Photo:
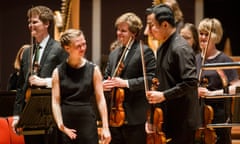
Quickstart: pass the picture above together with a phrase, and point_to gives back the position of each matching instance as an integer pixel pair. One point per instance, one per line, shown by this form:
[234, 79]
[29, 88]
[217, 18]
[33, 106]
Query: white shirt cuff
[48, 82]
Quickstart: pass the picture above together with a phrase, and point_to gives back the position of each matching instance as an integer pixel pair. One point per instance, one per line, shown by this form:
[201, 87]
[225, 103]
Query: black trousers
[184, 136]
[128, 134]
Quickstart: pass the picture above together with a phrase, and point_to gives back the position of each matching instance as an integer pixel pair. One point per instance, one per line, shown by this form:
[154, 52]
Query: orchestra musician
[13, 78]
[190, 33]
[134, 103]
[214, 78]
[178, 16]
[177, 75]
[40, 19]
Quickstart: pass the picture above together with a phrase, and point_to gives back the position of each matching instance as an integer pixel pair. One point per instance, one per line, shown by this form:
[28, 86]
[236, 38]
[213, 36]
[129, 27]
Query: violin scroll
[155, 83]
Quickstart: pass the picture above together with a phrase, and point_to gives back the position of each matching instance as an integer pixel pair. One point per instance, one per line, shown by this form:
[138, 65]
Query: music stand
[37, 117]
[235, 119]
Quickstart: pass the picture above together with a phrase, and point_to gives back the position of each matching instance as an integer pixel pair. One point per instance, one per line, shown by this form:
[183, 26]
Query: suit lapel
[116, 56]
[129, 56]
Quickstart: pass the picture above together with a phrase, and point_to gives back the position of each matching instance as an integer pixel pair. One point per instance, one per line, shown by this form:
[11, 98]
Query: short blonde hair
[212, 25]
[133, 21]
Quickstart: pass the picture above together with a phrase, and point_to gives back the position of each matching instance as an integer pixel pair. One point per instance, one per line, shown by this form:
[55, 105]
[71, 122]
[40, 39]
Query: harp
[67, 17]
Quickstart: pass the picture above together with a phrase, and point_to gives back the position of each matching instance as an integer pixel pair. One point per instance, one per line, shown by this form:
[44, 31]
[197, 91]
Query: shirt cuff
[16, 117]
[48, 82]
[127, 83]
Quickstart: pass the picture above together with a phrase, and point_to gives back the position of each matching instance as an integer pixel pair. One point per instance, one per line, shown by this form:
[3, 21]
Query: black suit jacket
[52, 56]
[177, 74]
[135, 103]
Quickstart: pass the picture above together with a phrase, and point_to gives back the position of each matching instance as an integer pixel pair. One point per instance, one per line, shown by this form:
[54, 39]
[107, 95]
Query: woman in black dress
[75, 81]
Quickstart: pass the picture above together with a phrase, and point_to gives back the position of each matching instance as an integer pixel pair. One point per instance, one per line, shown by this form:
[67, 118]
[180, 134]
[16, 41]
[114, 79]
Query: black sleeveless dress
[77, 91]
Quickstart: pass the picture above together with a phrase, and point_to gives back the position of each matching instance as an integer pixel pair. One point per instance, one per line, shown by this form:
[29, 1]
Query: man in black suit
[50, 54]
[131, 80]
[177, 73]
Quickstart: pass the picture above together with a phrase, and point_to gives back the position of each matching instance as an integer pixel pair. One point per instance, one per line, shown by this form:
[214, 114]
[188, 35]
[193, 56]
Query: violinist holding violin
[130, 102]
[176, 72]
[211, 28]
[40, 20]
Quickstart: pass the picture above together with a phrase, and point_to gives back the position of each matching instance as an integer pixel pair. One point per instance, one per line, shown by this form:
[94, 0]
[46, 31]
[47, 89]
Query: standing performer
[131, 101]
[177, 75]
[40, 19]
[213, 55]
[178, 16]
[75, 81]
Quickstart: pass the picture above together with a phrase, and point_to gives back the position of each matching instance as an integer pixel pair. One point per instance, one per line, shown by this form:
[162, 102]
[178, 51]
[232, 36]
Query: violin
[33, 67]
[204, 134]
[154, 115]
[117, 114]
[155, 119]
[34, 70]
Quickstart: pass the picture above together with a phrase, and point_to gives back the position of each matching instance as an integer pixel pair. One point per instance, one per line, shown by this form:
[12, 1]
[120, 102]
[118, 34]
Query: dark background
[14, 32]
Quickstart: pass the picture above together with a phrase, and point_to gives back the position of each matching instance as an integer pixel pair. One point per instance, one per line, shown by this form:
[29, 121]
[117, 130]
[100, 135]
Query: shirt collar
[43, 43]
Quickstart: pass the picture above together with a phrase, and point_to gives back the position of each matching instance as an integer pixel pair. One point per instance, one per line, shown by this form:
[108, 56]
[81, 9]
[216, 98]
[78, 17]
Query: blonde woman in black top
[75, 82]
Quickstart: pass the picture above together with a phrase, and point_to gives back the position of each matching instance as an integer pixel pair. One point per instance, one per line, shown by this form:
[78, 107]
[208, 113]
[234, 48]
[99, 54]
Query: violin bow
[30, 67]
[144, 67]
[205, 52]
[31, 48]
[122, 56]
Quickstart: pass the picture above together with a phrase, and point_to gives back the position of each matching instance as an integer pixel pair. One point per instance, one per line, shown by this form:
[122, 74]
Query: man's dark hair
[162, 13]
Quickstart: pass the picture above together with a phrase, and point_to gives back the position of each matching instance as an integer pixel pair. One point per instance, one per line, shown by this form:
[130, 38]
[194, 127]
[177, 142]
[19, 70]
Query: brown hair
[45, 14]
